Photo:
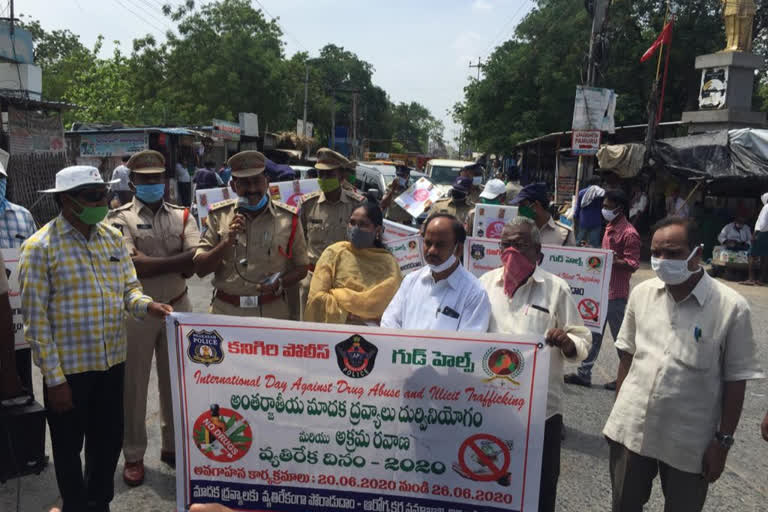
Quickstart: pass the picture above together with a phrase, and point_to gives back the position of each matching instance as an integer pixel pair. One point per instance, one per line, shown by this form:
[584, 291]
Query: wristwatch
[725, 440]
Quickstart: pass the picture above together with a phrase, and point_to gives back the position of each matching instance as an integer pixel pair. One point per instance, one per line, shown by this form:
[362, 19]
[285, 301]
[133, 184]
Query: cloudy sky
[420, 49]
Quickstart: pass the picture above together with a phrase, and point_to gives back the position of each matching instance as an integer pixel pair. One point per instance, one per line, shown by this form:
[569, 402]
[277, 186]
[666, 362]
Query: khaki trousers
[145, 338]
[277, 309]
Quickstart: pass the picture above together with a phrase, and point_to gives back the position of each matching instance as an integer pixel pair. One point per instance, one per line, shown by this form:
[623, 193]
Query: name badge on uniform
[143, 226]
[249, 301]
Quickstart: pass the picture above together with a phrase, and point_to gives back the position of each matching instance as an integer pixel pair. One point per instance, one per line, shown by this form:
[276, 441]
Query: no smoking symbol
[491, 452]
[588, 309]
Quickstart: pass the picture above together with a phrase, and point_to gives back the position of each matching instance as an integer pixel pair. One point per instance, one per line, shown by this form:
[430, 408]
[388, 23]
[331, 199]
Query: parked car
[444, 172]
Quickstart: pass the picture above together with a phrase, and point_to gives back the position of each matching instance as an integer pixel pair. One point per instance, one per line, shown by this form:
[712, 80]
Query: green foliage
[414, 125]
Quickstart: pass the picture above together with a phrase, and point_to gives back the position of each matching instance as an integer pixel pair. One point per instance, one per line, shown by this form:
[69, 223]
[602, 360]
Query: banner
[207, 198]
[294, 417]
[226, 130]
[396, 231]
[586, 270]
[407, 252]
[112, 144]
[291, 191]
[419, 197]
[490, 219]
[32, 132]
[11, 260]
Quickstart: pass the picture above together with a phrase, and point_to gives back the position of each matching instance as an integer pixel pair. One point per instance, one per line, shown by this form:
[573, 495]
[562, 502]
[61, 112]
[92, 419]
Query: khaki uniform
[324, 224]
[396, 213]
[460, 210]
[554, 233]
[273, 242]
[164, 233]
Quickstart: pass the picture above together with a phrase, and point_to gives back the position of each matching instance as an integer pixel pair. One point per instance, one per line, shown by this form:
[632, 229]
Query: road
[584, 481]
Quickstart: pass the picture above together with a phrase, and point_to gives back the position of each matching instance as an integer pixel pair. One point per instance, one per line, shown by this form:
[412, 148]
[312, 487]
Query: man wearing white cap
[16, 225]
[77, 280]
[495, 192]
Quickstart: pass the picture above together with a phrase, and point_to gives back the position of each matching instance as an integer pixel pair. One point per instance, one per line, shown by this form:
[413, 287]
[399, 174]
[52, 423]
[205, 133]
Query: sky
[420, 49]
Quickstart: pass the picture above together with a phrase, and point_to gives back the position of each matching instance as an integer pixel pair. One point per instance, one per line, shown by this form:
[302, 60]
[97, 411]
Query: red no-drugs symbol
[589, 309]
[496, 471]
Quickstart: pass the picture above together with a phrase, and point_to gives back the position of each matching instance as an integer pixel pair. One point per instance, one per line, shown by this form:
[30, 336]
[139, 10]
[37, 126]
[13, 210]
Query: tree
[414, 125]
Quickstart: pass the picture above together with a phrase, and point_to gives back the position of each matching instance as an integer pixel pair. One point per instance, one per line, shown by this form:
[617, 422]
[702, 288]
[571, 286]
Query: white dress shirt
[731, 232]
[639, 204]
[544, 302]
[762, 219]
[182, 175]
[669, 406]
[456, 303]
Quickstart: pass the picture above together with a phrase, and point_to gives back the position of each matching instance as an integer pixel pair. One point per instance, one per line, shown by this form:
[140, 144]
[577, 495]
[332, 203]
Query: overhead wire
[157, 15]
[142, 18]
[285, 31]
[502, 32]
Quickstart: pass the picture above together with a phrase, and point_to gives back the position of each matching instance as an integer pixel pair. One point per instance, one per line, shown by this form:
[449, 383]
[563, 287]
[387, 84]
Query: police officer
[254, 246]
[325, 213]
[533, 202]
[400, 184]
[458, 203]
[475, 173]
[161, 238]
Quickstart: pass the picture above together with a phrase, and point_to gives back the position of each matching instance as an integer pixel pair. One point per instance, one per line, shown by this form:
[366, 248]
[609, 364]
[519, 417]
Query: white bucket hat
[493, 189]
[76, 176]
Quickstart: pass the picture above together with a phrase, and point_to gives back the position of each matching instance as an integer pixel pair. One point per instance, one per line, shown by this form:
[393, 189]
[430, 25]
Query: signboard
[490, 219]
[291, 191]
[419, 197]
[226, 130]
[291, 417]
[300, 128]
[11, 260]
[593, 109]
[585, 142]
[249, 124]
[407, 252]
[565, 178]
[396, 231]
[207, 198]
[113, 144]
[714, 87]
[32, 131]
[586, 270]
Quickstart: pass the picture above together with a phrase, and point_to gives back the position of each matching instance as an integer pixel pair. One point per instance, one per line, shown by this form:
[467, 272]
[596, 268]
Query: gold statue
[739, 15]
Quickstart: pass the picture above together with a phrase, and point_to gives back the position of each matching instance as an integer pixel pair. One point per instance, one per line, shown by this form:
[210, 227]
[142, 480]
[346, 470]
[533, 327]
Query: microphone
[241, 210]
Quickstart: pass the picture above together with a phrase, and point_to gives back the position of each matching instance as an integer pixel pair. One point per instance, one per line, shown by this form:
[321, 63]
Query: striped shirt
[73, 294]
[622, 238]
[16, 225]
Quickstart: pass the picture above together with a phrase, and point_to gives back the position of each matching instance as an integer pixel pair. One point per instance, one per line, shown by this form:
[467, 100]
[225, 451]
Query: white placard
[407, 252]
[396, 231]
[11, 260]
[290, 192]
[490, 219]
[419, 197]
[207, 198]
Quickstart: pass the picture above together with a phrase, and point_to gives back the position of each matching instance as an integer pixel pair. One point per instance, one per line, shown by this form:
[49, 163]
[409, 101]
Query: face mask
[328, 184]
[150, 193]
[91, 214]
[360, 238]
[609, 215]
[444, 265]
[517, 269]
[351, 179]
[3, 201]
[477, 180]
[490, 201]
[527, 211]
[245, 205]
[673, 271]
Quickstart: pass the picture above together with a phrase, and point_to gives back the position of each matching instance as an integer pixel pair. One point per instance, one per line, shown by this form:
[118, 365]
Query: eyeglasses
[517, 245]
[92, 195]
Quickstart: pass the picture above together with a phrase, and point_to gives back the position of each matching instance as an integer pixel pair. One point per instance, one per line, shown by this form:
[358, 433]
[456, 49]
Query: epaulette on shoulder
[221, 204]
[126, 206]
[285, 206]
[176, 206]
[311, 195]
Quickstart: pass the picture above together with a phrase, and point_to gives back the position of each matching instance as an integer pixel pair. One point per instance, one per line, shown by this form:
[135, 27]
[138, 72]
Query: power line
[295, 40]
[501, 33]
[142, 18]
[162, 18]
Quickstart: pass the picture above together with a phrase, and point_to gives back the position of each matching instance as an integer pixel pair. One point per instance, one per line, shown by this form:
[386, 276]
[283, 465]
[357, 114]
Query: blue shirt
[591, 216]
[16, 225]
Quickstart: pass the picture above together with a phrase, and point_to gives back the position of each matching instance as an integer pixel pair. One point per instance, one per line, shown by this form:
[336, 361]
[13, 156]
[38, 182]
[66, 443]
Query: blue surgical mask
[3, 200]
[245, 205]
[150, 193]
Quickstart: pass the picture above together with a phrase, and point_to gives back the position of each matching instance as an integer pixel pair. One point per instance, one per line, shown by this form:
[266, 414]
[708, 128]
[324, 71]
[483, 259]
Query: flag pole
[661, 48]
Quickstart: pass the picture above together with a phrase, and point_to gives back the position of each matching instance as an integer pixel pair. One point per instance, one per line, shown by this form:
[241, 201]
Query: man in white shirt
[759, 248]
[526, 299]
[122, 173]
[184, 182]
[736, 235]
[687, 350]
[639, 206]
[442, 296]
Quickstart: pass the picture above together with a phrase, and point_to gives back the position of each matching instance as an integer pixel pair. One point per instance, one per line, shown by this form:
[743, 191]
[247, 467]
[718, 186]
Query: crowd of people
[96, 284]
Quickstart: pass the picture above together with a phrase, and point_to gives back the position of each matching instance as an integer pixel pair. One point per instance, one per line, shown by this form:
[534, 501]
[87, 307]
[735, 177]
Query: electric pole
[355, 95]
[479, 66]
[306, 91]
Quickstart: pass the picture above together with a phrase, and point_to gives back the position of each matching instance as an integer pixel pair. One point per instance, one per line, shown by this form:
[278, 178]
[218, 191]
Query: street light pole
[306, 93]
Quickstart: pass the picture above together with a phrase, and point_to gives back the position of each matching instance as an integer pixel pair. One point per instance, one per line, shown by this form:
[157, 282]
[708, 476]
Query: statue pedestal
[725, 95]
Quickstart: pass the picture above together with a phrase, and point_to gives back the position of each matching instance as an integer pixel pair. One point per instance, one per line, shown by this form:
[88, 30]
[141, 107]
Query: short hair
[126, 158]
[209, 163]
[619, 197]
[459, 233]
[525, 221]
[691, 230]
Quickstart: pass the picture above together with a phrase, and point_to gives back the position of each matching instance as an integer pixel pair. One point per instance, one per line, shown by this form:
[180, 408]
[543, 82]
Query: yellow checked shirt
[73, 294]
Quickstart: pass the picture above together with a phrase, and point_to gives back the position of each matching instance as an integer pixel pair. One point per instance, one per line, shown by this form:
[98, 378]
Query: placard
[11, 260]
[294, 417]
[586, 270]
[290, 192]
[419, 197]
[490, 219]
[396, 231]
[407, 252]
[209, 197]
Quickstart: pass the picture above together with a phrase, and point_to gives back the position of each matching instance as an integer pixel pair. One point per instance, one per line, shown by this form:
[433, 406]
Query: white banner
[396, 231]
[586, 270]
[419, 197]
[11, 260]
[407, 252]
[209, 197]
[490, 219]
[290, 192]
[289, 416]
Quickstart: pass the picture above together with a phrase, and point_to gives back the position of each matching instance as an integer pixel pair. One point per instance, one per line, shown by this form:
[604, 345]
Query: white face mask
[609, 215]
[444, 265]
[673, 271]
[477, 180]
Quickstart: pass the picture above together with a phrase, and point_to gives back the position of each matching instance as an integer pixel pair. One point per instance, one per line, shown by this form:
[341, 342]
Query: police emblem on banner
[504, 364]
[356, 356]
[205, 347]
[477, 251]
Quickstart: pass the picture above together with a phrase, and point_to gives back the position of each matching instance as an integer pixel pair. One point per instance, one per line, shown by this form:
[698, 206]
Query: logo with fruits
[222, 434]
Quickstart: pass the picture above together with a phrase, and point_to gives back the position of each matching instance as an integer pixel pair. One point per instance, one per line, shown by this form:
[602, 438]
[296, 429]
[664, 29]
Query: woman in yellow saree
[354, 281]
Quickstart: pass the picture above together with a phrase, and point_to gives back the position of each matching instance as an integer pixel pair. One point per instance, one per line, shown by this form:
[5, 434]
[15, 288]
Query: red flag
[664, 38]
